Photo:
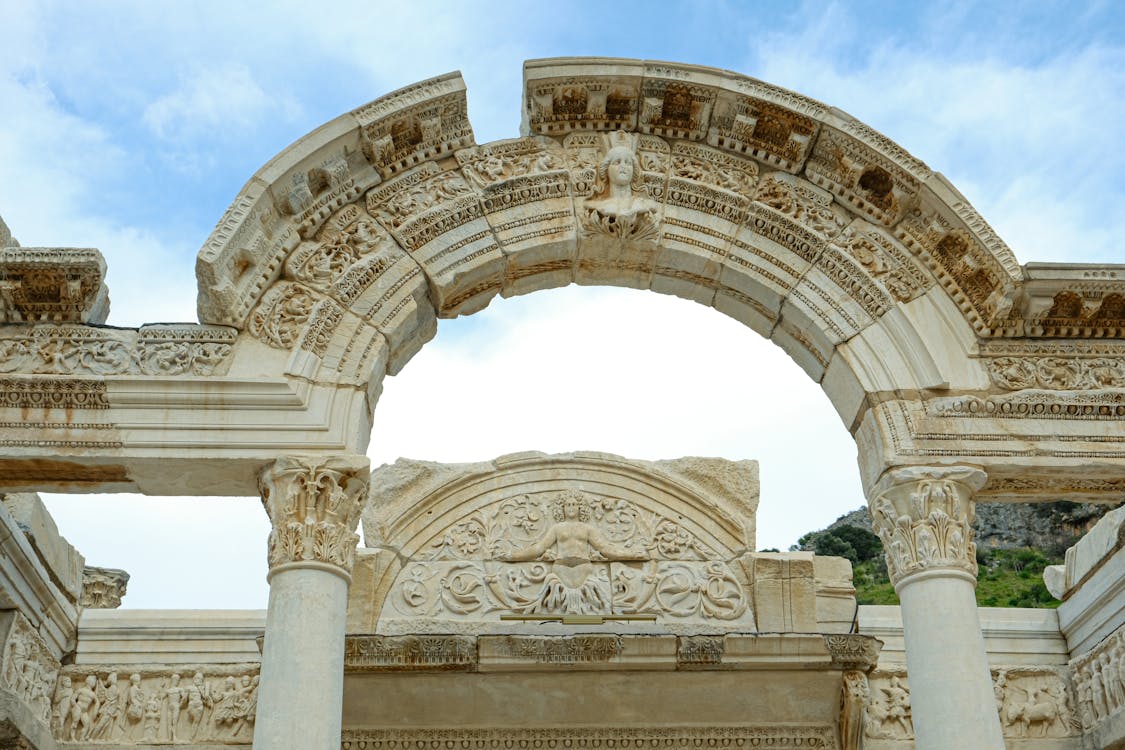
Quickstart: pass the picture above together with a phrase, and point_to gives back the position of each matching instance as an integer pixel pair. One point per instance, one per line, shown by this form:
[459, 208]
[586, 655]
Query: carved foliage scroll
[924, 517]
[314, 506]
[573, 553]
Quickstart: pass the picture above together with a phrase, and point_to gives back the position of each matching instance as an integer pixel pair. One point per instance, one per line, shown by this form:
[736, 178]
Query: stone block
[59, 557]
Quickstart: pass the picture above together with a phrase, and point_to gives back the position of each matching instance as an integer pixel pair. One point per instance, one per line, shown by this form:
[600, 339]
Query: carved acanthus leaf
[924, 517]
[314, 504]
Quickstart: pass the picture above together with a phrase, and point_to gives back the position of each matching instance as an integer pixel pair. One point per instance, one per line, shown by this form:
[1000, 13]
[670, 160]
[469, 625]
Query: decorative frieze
[576, 649]
[1099, 680]
[594, 738]
[102, 588]
[1035, 702]
[156, 705]
[314, 504]
[888, 715]
[363, 653]
[1057, 373]
[159, 350]
[54, 393]
[924, 517]
[28, 668]
[698, 650]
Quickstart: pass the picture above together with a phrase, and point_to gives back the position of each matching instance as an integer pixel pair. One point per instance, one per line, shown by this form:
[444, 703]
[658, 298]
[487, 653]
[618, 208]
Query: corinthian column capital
[924, 516]
[314, 504]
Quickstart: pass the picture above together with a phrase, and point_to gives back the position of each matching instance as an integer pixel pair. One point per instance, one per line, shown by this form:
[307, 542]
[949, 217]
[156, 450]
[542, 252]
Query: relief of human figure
[247, 704]
[571, 545]
[64, 697]
[898, 706]
[198, 698]
[110, 710]
[84, 710]
[174, 698]
[619, 205]
[134, 705]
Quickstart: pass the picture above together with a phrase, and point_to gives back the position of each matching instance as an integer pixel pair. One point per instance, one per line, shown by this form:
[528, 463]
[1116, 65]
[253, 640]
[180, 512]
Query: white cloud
[218, 101]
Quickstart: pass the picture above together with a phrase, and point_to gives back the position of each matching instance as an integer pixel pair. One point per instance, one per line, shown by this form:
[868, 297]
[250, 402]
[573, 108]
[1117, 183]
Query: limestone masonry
[577, 600]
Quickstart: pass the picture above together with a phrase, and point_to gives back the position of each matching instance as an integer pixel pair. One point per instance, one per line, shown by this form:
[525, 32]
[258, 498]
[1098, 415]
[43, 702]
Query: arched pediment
[452, 547]
[334, 263]
[772, 208]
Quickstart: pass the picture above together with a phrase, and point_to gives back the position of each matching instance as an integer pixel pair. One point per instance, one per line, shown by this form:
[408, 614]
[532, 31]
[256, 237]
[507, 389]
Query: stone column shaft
[314, 505]
[924, 517]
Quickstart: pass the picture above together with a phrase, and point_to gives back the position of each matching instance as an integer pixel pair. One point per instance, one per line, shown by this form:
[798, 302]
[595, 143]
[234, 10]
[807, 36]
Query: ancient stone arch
[960, 373]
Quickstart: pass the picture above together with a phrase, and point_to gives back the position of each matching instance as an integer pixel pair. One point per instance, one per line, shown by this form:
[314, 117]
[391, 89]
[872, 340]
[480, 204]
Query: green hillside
[1007, 577]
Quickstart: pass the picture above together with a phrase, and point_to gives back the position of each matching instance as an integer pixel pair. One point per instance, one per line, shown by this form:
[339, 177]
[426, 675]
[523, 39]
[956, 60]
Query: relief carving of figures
[415, 194]
[1034, 702]
[156, 707]
[924, 517]
[314, 506]
[29, 669]
[1099, 679]
[619, 206]
[571, 553]
[885, 261]
[888, 714]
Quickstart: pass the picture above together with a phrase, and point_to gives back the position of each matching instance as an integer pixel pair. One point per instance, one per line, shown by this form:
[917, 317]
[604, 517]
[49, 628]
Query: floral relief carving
[801, 201]
[153, 350]
[415, 198]
[924, 517]
[573, 553]
[314, 506]
[321, 264]
[885, 261]
[496, 163]
[712, 167]
[1057, 373]
[282, 313]
[212, 705]
[103, 588]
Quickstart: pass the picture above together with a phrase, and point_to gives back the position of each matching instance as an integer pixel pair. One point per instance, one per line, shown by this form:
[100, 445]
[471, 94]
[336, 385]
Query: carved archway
[333, 264]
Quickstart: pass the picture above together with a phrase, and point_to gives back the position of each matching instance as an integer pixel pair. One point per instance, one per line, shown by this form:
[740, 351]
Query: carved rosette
[924, 517]
[314, 504]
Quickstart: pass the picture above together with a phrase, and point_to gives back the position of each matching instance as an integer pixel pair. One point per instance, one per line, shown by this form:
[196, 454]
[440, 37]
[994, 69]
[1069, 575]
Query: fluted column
[314, 505]
[924, 517]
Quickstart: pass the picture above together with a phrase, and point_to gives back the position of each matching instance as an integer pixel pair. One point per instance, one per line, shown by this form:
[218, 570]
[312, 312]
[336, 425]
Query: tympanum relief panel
[568, 553]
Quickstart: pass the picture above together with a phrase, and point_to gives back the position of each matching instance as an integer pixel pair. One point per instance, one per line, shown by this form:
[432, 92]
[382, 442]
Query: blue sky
[130, 127]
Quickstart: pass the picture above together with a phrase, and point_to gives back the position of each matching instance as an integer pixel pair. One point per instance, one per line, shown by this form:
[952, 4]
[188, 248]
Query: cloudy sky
[130, 126]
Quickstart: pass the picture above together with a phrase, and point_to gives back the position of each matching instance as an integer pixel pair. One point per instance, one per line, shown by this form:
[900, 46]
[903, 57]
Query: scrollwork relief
[571, 554]
[153, 350]
[282, 313]
[924, 518]
[28, 668]
[1057, 373]
[103, 588]
[802, 201]
[314, 506]
[156, 706]
[382, 652]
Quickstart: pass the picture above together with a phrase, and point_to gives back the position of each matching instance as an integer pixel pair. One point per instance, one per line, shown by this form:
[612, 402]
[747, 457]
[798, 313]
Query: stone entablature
[58, 284]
